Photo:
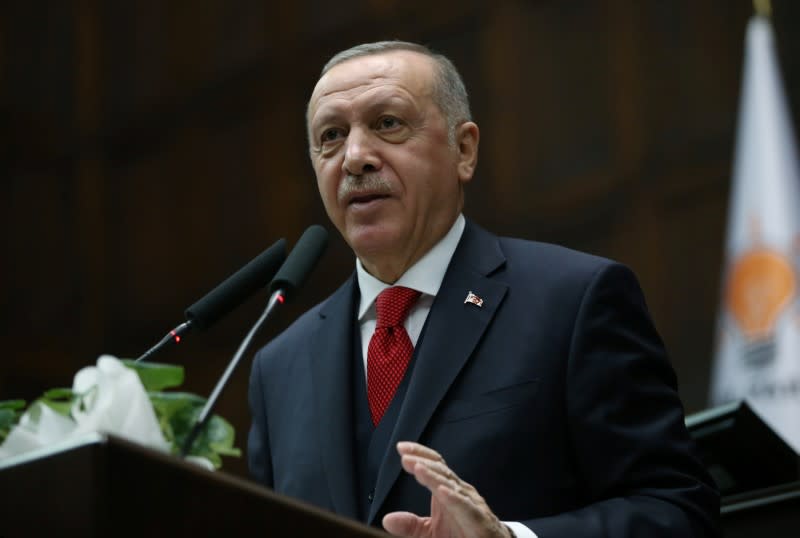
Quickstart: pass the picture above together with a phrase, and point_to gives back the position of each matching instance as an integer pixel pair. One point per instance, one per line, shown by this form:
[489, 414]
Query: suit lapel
[451, 333]
[332, 352]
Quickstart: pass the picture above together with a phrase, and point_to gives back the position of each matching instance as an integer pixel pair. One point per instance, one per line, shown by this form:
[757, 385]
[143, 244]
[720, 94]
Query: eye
[388, 122]
[331, 135]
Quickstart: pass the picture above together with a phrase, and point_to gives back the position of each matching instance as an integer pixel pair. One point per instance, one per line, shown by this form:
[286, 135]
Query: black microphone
[290, 277]
[227, 296]
[238, 287]
[299, 264]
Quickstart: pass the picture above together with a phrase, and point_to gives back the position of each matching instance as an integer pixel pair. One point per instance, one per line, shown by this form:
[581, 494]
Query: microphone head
[301, 260]
[238, 287]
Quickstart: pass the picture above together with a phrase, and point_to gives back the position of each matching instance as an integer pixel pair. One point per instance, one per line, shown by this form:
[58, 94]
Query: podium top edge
[91, 438]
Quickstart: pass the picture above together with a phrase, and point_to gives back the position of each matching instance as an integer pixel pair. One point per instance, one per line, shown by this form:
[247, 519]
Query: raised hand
[457, 510]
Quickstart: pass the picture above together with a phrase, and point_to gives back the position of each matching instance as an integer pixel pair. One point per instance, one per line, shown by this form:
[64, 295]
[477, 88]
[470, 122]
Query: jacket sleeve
[640, 473]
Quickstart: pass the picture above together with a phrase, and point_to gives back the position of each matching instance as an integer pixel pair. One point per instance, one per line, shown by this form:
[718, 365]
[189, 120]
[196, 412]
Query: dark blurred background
[148, 149]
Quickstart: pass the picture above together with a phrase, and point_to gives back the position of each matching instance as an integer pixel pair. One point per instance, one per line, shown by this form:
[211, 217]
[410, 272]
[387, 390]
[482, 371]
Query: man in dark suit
[462, 384]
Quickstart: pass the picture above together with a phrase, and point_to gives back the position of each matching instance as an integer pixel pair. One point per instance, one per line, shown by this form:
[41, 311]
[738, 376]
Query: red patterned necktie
[390, 348]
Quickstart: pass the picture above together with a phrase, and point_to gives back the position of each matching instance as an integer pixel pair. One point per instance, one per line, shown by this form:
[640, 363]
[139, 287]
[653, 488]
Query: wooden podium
[107, 486]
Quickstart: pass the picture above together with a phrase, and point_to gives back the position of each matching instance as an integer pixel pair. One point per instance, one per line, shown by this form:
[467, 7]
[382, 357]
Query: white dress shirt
[426, 277]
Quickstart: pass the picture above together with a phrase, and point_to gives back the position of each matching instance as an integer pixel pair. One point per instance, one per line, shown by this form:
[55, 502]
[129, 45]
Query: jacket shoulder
[296, 336]
[552, 260]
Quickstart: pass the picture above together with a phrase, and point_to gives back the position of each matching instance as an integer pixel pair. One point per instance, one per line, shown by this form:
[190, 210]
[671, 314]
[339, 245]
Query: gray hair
[449, 92]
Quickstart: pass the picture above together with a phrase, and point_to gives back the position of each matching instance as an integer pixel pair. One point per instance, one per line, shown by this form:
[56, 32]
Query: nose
[360, 155]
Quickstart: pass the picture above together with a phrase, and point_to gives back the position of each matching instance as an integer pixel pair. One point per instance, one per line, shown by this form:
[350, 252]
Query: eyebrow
[333, 113]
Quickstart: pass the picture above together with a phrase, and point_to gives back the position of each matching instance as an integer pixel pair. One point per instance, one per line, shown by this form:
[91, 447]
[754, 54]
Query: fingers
[416, 449]
[412, 454]
[430, 470]
[456, 505]
[428, 466]
[430, 474]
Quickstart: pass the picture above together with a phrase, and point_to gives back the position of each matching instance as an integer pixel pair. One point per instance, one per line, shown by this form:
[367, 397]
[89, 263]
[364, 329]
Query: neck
[390, 263]
[386, 272]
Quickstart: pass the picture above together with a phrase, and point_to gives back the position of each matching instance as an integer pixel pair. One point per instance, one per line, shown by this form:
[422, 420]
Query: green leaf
[177, 413]
[58, 394]
[59, 400]
[10, 411]
[7, 417]
[174, 411]
[215, 441]
[156, 376]
[12, 404]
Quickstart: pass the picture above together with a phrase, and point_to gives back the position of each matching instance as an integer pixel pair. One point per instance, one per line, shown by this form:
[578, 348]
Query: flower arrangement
[120, 397]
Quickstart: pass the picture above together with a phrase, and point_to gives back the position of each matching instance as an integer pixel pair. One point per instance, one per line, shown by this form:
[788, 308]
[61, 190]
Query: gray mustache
[372, 183]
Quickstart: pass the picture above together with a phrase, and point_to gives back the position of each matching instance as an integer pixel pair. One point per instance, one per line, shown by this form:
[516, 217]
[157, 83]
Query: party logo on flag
[761, 285]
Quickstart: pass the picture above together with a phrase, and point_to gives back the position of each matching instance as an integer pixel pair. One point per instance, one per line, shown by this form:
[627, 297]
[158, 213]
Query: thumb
[403, 524]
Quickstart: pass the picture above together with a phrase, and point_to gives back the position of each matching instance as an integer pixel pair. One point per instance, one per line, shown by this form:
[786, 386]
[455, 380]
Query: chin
[369, 241]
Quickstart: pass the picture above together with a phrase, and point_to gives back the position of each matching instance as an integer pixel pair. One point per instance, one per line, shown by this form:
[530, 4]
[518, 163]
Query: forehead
[404, 71]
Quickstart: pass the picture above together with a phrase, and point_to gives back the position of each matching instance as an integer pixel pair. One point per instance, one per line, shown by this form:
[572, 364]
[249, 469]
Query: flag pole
[763, 8]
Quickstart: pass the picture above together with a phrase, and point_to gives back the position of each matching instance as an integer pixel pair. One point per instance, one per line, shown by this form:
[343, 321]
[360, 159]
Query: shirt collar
[425, 276]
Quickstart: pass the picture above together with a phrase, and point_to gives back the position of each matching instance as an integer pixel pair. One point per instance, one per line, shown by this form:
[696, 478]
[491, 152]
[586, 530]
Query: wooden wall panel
[691, 256]
[691, 79]
[546, 127]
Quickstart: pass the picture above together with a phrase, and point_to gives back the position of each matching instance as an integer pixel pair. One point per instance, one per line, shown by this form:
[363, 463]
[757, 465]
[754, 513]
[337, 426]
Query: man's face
[389, 178]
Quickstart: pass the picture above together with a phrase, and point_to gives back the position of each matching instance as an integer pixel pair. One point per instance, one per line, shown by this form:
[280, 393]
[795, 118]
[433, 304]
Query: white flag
[758, 341]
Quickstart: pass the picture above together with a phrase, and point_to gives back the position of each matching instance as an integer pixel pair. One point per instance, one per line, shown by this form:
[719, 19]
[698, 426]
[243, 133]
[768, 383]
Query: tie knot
[393, 304]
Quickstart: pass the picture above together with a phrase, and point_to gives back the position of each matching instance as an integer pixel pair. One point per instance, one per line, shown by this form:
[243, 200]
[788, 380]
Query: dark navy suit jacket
[555, 399]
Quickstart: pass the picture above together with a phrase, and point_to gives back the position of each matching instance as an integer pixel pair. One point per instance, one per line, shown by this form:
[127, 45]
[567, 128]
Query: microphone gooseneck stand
[277, 298]
[232, 292]
[289, 278]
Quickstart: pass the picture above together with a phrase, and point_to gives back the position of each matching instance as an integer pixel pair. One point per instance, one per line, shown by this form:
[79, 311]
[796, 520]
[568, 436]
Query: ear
[467, 136]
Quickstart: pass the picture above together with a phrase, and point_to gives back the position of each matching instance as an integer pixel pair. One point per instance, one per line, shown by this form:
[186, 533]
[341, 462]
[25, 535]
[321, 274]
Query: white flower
[30, 434]
[113, 401]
